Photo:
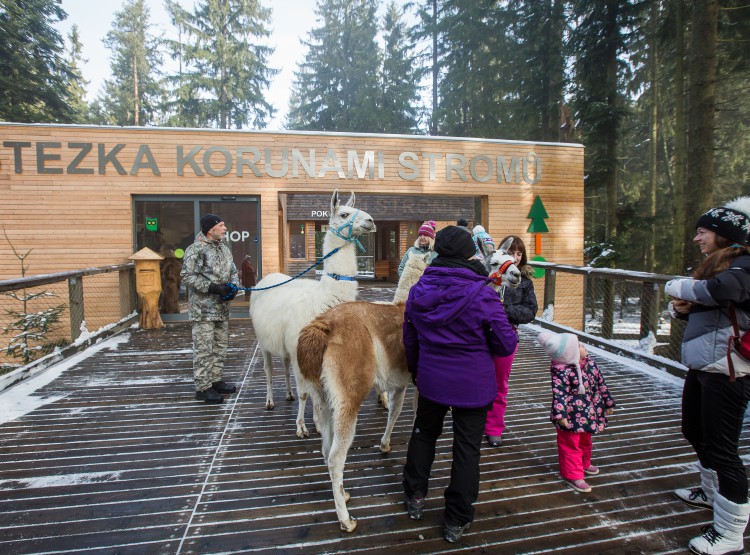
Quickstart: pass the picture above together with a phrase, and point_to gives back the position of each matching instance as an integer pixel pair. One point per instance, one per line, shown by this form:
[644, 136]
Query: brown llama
[352, 347]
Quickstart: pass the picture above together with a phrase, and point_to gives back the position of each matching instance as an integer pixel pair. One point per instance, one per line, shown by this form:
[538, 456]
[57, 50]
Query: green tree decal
[538, 214]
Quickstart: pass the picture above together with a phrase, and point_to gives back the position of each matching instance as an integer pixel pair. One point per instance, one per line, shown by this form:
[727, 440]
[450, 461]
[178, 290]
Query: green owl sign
[152, 224]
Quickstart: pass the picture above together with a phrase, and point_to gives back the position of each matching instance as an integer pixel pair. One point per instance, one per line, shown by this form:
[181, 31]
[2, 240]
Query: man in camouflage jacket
[211, 278]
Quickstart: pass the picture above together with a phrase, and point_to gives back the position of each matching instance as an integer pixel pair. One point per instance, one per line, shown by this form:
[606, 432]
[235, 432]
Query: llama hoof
[290, 397]
[350, 525]
[385, 448]
[269, 405]
[302, 433]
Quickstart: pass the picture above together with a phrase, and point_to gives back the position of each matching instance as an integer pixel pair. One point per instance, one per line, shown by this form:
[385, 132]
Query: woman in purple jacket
[453, 325]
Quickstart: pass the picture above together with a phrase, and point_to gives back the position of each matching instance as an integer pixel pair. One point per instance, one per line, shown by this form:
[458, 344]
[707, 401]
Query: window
[297, 239]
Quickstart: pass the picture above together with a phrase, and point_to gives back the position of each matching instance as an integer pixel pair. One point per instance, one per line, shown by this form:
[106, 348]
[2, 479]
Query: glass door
[168, 226]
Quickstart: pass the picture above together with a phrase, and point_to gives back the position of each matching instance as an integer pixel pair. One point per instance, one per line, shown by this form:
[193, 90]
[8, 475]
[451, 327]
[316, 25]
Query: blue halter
[349, 224]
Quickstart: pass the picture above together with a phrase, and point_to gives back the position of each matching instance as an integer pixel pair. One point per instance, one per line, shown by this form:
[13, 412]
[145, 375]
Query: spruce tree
[77, 84]
[400, 78]
[224, 63]
[132, 94]
[34, 74]
[337, 86]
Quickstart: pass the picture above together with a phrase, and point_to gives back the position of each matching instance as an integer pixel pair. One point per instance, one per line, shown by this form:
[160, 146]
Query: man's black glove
[232, 292]
[221, 289]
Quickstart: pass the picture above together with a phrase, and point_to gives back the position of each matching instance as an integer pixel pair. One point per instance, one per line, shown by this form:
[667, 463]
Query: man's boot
[703, 495]
[724, 536]
[224, 387]
[209, 396]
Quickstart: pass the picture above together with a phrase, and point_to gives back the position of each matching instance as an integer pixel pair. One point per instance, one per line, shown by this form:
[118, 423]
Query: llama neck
[344, 262]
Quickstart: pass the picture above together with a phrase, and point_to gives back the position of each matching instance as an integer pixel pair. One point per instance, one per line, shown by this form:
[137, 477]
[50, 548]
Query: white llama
[353, 346]
[278, 314]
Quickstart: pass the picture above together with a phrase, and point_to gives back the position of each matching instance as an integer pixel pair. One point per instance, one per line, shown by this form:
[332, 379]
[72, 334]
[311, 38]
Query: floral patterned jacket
[587, 412]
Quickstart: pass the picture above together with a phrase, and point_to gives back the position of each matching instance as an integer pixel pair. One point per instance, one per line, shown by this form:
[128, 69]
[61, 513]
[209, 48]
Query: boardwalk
[121, 459]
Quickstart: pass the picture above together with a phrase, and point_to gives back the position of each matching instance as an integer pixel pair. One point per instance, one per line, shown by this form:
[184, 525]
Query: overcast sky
[291, 21]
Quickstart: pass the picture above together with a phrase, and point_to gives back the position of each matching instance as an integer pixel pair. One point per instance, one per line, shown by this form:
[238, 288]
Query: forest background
[656, 90]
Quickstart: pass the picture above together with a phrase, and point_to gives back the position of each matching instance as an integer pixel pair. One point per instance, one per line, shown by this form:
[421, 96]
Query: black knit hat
[730, 221]
[209, 221]
[454, 242]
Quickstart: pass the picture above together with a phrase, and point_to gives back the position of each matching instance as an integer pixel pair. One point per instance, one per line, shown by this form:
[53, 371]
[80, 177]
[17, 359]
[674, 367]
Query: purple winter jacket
[453, 325]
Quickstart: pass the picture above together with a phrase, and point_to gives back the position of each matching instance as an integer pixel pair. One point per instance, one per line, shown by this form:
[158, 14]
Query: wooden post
[148, 286]
[649, 309]
[549, 288]
[75, 302]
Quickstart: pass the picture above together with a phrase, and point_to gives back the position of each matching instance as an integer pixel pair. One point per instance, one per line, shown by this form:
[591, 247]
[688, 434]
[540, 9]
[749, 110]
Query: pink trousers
[495, 424]
[573, 453]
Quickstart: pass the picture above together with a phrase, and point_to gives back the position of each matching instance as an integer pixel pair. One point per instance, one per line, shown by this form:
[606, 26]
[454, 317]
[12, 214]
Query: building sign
[83, 158]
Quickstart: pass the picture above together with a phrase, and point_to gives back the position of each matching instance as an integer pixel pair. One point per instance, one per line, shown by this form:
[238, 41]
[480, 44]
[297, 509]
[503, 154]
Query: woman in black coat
[520, 306]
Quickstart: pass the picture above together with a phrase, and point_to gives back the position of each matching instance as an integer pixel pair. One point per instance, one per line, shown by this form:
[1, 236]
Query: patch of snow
[60, 480]
[19, 400]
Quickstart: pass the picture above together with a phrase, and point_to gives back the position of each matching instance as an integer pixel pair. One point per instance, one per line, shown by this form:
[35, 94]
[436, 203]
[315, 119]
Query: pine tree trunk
[650, 262]
[136, 107]
[433, 119]
[679, 238]
[700, 114]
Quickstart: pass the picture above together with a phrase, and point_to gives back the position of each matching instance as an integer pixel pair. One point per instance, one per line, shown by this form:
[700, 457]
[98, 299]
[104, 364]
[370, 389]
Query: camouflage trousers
[210, 340]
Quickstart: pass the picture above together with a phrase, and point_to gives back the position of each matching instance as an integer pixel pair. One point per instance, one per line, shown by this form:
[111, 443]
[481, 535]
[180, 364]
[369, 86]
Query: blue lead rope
[349, 224]
[318, 262]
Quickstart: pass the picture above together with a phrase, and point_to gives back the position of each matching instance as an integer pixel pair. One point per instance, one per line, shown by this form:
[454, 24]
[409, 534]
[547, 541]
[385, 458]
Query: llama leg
[394, 410]
[289, 395]
[302, 394]
[268, 367]
[326, 431]
[342, 440]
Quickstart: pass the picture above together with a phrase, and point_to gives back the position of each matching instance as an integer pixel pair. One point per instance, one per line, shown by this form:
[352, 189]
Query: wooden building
[84, 196]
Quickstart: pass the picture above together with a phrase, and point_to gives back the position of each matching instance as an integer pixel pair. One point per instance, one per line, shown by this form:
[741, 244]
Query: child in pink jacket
[581, 403]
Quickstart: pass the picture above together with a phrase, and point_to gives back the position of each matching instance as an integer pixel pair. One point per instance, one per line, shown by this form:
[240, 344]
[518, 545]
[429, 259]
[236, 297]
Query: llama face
[501, 266]
[347, 220]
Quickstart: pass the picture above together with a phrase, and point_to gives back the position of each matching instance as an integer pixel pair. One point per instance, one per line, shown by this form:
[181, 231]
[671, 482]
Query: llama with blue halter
[279, 313]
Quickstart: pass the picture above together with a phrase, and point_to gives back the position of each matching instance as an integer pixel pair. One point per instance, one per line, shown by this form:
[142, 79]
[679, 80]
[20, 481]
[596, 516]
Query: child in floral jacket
[581, 403]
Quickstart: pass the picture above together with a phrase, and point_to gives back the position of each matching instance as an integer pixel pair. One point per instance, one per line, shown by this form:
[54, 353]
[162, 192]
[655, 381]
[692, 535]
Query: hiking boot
[494, 441]
[579, 485]
[695, 497]
[591, 470]
[224, 387]
[453, 532]
[209, 396]
[414, 506]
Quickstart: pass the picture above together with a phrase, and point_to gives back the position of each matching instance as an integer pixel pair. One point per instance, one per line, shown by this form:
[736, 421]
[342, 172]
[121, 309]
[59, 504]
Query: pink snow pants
[495, 424]
[573, 453]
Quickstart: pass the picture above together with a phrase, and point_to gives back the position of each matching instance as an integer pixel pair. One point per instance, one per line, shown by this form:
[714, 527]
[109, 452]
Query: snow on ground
[20, 399]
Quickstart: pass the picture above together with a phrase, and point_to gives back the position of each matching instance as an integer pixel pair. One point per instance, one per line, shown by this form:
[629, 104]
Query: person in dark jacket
[520, 306]
[453, 325]
[717, 385]
[211, 279]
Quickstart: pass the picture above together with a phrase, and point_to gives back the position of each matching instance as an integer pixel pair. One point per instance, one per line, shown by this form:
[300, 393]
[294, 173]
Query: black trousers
[468, 428]
[712, 412]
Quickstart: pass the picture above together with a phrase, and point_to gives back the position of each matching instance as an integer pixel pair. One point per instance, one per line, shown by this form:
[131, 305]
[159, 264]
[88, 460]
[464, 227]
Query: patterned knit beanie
[731, 221]
[428, 228]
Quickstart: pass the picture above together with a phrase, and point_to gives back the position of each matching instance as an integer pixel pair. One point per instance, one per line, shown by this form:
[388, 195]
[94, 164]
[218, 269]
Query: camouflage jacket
[207, 262]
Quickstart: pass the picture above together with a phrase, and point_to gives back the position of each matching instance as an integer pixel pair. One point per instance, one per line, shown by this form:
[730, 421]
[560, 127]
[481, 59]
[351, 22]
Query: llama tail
[311, 348]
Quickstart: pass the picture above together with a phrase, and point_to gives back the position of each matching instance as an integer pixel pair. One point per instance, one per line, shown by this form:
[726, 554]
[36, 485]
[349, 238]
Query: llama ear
[334, 201]
[350, 202]
[480, 245]
[505, 247]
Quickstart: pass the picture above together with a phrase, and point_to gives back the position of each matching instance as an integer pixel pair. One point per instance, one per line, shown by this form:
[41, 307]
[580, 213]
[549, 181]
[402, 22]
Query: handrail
[605, 272]
[45, 279]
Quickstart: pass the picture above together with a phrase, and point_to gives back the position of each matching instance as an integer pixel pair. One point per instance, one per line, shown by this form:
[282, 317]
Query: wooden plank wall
[77, 220]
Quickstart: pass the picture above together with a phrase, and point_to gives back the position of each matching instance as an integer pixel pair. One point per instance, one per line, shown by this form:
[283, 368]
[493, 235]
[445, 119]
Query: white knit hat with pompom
[563, 349]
